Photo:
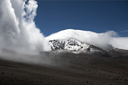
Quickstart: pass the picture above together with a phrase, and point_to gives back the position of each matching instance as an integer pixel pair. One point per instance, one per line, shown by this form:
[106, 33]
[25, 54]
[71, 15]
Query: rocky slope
[74, 46]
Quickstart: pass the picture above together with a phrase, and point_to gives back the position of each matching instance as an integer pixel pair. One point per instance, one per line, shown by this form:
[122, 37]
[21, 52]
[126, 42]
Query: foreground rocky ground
[71, 69]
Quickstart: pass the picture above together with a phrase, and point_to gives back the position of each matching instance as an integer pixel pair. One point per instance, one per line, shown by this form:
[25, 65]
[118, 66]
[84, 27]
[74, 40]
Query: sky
[96, 16]
[28, 25]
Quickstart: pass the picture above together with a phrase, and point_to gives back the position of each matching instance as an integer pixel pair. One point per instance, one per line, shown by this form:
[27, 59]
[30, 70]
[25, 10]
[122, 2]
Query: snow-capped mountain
[73, 45]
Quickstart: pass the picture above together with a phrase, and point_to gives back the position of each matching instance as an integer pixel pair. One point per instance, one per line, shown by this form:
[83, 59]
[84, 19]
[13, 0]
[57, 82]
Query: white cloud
[120, 42]
[98, 39]
[17, 26]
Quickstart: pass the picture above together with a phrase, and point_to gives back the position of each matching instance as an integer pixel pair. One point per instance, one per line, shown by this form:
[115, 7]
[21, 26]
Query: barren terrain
[72, 69]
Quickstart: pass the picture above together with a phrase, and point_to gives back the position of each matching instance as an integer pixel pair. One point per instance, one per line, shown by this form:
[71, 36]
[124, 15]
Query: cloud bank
[102, 40]
[17, 26]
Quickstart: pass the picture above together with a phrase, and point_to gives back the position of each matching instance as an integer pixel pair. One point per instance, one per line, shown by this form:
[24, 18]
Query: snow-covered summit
[101, 40]
[72, 45]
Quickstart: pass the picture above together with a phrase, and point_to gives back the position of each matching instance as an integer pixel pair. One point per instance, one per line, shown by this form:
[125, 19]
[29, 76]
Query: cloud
[120, 42]
[125, 31]
[102, 40]
[17, 26]
[18, 32]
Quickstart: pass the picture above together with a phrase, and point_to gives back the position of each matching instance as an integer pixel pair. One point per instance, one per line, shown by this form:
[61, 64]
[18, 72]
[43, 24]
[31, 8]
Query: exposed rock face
[73, 45]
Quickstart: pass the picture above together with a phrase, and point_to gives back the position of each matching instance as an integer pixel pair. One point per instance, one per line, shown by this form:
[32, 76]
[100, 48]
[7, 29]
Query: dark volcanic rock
[73, 69]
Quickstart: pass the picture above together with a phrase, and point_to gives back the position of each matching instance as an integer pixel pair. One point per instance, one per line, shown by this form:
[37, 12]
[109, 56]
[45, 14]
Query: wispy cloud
[124, 31]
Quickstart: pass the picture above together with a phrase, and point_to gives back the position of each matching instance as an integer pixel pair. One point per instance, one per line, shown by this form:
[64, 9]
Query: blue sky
[96, 16]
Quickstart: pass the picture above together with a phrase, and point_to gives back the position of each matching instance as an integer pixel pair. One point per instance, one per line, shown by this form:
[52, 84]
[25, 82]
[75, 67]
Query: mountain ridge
[74, 45]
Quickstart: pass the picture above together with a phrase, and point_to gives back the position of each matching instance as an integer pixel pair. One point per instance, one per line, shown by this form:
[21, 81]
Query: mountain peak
[72, 45]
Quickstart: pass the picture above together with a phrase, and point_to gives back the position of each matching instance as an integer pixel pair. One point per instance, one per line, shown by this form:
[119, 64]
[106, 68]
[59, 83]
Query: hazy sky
[96, 16]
